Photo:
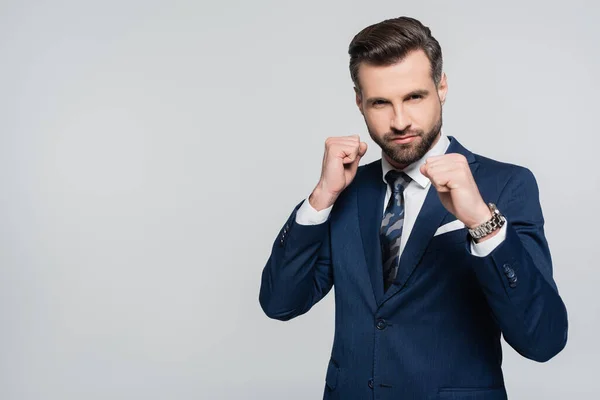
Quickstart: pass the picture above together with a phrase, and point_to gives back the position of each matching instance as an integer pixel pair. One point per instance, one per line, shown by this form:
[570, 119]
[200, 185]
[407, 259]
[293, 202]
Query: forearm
[298, 272]
[526, 305]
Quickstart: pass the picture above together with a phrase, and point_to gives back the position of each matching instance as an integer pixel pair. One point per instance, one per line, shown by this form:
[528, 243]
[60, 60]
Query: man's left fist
[451, 176]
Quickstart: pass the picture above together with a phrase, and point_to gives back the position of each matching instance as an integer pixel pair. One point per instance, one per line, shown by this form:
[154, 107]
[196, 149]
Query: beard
[407, 153]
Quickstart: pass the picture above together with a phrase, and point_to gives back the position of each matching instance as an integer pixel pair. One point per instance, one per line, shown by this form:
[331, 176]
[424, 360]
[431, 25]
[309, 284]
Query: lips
[404, 139]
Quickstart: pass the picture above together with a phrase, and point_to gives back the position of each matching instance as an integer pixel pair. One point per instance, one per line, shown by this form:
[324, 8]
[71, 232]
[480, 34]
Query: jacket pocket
[332, 374]
[447, 241]
[458, 393]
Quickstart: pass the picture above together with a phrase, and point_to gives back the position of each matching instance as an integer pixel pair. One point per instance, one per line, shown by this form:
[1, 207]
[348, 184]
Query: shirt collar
[413, 170]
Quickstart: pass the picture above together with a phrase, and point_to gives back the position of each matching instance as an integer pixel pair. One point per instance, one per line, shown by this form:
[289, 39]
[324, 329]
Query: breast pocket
[449, 241]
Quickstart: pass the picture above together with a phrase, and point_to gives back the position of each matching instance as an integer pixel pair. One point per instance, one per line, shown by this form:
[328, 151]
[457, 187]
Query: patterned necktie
[391, 226]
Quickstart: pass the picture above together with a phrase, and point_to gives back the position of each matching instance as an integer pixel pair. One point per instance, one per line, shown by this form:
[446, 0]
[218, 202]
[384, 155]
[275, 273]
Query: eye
[378, 103]
[416, 97]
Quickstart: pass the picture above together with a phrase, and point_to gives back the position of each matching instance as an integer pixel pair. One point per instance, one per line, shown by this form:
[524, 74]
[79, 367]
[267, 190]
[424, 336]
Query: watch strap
[495, 223]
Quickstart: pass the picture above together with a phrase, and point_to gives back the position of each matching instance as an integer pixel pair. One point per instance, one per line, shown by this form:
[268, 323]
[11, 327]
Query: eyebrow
[418, 92]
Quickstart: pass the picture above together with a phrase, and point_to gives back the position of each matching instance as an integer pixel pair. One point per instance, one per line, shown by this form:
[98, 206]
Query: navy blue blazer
[435, 334]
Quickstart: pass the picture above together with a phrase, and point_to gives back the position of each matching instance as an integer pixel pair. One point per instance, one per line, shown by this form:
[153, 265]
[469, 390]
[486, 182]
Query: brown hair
[389, 41]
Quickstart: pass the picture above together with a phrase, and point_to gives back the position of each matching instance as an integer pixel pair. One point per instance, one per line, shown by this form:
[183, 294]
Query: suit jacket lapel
[370, 210]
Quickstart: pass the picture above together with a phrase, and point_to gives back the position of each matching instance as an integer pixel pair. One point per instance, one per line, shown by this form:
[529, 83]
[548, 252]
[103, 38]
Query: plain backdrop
[150, 151]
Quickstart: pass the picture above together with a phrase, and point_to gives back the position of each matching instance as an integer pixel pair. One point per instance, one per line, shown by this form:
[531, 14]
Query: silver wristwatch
[490, 226]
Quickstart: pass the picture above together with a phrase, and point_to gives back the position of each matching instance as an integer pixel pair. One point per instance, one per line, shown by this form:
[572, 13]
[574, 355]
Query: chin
[405, 147]
[406, 154]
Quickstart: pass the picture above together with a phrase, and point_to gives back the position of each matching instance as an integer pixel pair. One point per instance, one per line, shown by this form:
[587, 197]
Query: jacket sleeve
[298, 272]
[516, 277]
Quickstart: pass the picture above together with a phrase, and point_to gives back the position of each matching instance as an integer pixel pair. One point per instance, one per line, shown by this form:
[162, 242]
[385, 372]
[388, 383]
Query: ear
[358, 99]
[442, 88]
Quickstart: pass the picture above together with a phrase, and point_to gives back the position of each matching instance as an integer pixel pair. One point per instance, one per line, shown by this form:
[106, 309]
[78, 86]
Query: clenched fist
[451, 176]
[340, 162]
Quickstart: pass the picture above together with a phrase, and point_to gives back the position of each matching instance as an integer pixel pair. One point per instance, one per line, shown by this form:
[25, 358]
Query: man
[434, 251]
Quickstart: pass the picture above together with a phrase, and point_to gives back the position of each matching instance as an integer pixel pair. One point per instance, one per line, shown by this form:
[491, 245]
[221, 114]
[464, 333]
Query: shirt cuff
[307, 215]
[484, 248]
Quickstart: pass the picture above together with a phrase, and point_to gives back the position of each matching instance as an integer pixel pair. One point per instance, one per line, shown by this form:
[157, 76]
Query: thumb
[362, 149]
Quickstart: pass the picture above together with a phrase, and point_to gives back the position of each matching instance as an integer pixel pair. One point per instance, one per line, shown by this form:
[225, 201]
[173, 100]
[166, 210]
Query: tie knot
[397, 180]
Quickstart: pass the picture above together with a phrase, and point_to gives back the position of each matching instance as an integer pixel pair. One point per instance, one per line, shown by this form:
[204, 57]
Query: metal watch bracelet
[495, 223]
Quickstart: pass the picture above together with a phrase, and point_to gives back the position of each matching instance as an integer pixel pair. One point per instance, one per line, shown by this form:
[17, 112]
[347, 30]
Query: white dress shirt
[414, 197]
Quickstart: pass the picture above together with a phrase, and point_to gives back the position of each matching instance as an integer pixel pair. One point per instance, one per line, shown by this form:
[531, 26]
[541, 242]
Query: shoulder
[370, 169]
[489, 167]
[367, 174]
[490, 171]
[497, 177]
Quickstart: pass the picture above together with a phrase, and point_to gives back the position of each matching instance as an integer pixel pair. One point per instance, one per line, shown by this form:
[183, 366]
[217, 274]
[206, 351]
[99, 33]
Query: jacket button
[381, 324]
[371, 383]
[510, 274]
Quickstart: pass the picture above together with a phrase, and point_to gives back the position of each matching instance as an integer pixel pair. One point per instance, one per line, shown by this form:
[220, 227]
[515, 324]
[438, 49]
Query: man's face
[402, 107]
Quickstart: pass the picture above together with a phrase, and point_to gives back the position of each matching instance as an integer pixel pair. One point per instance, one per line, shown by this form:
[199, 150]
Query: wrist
[484, 215]
[485, 230]
[320, 199]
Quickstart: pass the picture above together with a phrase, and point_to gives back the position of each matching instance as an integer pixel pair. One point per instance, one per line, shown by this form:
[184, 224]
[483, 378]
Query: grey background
[151, 150]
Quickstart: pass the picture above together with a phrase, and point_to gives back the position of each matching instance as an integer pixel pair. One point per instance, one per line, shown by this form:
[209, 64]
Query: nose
[401, 120]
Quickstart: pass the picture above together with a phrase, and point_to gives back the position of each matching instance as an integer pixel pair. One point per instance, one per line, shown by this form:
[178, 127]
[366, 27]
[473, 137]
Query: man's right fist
[340, 163]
